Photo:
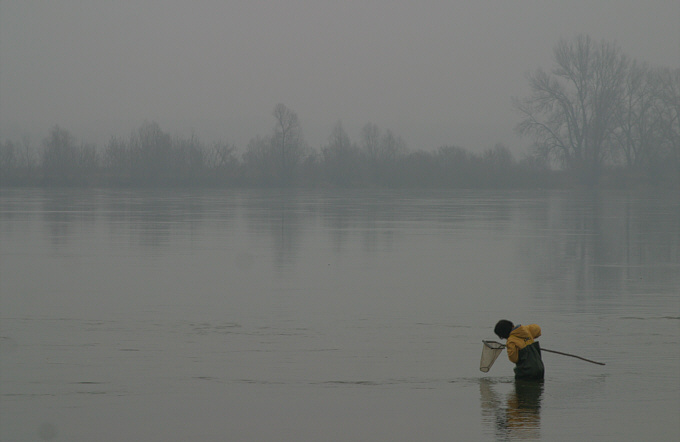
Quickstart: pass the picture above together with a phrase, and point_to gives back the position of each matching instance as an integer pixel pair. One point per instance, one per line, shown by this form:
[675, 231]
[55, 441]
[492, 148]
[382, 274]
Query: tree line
[152, 157]
[596, 116]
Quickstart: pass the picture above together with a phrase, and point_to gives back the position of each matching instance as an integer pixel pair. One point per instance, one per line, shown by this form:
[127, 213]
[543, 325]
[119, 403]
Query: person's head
[503, 328]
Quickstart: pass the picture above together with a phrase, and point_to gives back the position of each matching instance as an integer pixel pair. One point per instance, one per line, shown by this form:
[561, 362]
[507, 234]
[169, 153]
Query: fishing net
[490, 352]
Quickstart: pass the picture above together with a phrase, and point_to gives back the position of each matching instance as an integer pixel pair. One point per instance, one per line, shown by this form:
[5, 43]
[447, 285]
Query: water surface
[167, 315]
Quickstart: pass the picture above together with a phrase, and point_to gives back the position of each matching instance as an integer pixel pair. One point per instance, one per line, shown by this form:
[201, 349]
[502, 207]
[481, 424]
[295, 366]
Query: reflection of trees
[281, 218]
[379, 215]
[605, 241]
[515, 415]
[65, 209]
[349, 212]
[151, 217]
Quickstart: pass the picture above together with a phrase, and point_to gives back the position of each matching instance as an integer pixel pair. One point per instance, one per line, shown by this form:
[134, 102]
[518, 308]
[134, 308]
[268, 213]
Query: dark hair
[503, 328]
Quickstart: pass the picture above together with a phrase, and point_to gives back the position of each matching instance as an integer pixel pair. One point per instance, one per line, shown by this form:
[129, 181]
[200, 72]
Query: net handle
[573, 356]
[549, 351]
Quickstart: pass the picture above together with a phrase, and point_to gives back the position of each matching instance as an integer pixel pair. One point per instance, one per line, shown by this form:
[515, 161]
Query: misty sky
[436, 72]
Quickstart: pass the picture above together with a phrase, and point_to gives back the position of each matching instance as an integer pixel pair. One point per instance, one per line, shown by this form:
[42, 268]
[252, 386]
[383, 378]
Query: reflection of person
[516, 417]
[523, 408]
[523, 350]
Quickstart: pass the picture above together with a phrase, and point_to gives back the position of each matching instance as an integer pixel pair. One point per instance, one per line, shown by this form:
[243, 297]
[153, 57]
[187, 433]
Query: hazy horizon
[434, 72]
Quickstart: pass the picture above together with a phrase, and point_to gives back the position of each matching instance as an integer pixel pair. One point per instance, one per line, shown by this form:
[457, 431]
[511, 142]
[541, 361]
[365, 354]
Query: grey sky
[436, 72]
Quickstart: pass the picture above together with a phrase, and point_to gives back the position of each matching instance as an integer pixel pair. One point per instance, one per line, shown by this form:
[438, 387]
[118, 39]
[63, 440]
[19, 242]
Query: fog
[435, 72]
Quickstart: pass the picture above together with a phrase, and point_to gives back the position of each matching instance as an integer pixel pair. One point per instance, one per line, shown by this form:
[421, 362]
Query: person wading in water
[523, 350]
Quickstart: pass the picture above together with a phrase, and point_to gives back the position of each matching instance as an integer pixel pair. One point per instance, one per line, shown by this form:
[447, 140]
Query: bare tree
[667, 112]
[260, 161]
[571, 110]
[151, 155]
[59, 157]
[383, 150]
[18, 162]
[636, 132]
[8, 158]
[117, 161]
[341, 158]
[287, 140]
[370, 139]
[222, 162]
[391, 147]
[64, 162]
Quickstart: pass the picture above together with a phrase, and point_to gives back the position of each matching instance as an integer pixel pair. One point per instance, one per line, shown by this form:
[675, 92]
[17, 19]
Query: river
[357, 315]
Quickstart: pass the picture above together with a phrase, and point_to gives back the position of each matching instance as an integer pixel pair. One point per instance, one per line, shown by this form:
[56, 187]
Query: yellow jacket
[520, 337]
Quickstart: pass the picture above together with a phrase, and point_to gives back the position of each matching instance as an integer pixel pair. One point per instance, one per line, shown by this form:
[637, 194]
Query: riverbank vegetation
[597, 118]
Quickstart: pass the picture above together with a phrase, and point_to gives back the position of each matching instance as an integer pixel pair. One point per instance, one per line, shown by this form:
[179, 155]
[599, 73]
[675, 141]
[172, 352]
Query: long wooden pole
[573, 356]
[558, 352]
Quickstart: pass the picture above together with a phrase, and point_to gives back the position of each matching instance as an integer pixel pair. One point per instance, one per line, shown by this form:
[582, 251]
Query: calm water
[349, 316]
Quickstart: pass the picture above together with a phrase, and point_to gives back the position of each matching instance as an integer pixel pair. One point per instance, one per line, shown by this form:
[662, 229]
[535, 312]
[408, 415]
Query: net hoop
[490, 352]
